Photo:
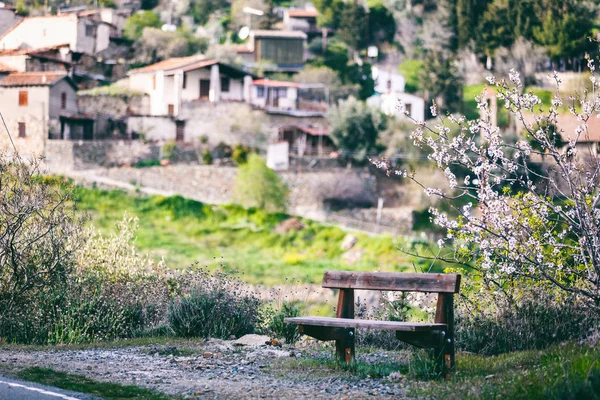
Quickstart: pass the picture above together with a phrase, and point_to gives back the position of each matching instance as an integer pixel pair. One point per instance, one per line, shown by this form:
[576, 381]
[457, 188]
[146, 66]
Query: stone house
[8, 17]
[171, 82]
[54, 58]
[38, 106]
[82, 34]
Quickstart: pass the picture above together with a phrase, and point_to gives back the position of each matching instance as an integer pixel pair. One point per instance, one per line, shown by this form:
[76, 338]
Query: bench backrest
[392, 281]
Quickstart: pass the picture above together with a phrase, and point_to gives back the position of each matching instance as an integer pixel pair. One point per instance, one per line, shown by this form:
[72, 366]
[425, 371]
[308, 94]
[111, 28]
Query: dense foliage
[259, 186]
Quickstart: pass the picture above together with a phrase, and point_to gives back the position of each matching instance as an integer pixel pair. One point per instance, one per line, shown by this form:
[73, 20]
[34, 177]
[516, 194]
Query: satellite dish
[244, 32]
[168, 28]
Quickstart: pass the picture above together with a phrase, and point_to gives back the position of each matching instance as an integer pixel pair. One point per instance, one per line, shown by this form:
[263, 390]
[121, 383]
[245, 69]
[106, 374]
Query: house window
[389, 84]
[23, 98]
[171, 109]
[184, 83]
[282, 92]
[154, 82]
[63, 101]
[22, 131]
[225, 85]
[90, 30]
[260, 91]
[408, 109]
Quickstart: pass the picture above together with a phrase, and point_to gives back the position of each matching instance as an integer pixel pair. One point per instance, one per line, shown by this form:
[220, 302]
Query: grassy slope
[185, 231]
[560, 372]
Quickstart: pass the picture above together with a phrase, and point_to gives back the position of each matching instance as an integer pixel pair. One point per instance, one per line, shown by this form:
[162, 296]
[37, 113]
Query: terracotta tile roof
[278, 34]
[270, 83]
[18, 52]
[32, 78]
[6, 68]
[567, 125]
[299, 13]
[166, 65]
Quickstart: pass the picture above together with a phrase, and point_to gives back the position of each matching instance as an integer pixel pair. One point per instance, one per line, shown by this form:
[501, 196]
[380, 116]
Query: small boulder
[207, 354]
[349, 242]
[252, 340]
[290, 224]
[353, 256]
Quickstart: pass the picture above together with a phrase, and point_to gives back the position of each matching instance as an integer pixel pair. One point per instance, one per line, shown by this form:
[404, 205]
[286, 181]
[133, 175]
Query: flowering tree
[530, 206]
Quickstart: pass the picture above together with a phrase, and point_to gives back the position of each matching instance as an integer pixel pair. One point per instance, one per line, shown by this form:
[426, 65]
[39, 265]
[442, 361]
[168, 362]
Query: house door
[275, 97]
[88, 131]
[204, 88]
[179, 130]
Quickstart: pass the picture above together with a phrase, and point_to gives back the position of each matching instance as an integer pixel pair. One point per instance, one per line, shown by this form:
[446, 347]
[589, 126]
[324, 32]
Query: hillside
[185, 231]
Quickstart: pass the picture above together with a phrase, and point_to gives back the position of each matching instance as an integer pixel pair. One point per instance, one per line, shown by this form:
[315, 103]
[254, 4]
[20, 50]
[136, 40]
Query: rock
[353, 256]
[207, 354]
[252, 340]
[349, 242]
[290, 224]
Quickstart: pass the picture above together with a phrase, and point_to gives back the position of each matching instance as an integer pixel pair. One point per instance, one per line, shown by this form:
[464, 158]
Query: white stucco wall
[287, 102]
[36, 32]
[394, 104]
[385, 77]
[18, 63]
[102, 37]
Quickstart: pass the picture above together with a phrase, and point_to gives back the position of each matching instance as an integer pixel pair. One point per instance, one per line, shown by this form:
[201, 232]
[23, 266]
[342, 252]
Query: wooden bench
[438, 336]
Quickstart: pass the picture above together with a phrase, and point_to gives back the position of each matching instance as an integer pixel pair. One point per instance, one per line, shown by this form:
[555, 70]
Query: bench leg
[445, 352]
[344, 349]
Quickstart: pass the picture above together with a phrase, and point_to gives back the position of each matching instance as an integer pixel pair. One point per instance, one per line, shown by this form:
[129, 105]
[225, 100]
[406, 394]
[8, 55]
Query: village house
[290, 97]
[399, 105]
[38, 106]
[303, 20]
[54, 58]
[275, 51]
[171, 82]
[82, 34]
[8, 17]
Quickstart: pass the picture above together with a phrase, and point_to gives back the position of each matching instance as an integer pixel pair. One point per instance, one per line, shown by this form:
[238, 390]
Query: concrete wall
[18, 62]
[36, 32]
[152, 128]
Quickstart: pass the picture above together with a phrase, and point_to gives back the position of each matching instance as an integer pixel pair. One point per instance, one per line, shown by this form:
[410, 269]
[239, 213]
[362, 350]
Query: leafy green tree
[330, 12]
[355, 128]
[495, 29]
[201, 10]
[352, 27]
[381, 23]
[134, 26]
[441, 82]
[259, 186]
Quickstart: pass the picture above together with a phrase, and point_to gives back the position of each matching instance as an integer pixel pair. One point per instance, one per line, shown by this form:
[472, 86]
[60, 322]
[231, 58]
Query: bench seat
[367, 324]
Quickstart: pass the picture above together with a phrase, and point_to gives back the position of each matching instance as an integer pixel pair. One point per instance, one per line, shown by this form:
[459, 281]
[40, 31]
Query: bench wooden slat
[366, 324]
[435, 283]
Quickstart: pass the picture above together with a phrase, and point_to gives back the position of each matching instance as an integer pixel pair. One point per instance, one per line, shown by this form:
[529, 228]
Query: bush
[146, 163]
[258, 186]
[168, 150]
[277, 326]
[240, 154]
[216, 307]
[207, 157]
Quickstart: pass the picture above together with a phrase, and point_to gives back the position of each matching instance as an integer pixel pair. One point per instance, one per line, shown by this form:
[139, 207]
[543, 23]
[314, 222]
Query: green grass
[77, 383]
[568, 371]
[185, 231]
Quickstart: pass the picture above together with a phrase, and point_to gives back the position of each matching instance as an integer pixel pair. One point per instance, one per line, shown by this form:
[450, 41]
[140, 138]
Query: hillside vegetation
[185, 231]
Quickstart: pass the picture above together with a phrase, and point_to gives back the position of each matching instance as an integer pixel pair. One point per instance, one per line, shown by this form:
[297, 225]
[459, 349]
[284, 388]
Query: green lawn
[185, 231]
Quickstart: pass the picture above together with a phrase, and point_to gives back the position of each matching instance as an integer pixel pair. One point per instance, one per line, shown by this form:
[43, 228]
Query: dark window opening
[408, 108]
[225, 85]
[171, 109]
[260, 91]
[90, 30]
[184, 83]
[22, 130]
[204, 88]
[63, 101]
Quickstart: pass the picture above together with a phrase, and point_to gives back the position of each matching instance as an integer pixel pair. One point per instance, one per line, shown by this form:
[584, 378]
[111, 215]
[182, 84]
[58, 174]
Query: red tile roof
[299, 13]
[270, 83]
[17, 52]
[170, 64]
[32, 78]
[278, 34]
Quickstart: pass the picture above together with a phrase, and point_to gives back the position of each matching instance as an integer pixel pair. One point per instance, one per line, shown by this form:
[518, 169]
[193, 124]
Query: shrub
[146, 163]
[218, 306]
[258, 186]
[207, 157]
[168, 150]
[240, 154]
[277, 326]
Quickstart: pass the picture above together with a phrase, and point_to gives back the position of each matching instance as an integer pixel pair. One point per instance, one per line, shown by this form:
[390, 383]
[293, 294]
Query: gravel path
[214, 370]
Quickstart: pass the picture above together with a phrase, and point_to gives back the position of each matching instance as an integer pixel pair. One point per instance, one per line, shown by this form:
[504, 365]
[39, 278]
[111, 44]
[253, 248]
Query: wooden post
[344, 348]
[444, 352]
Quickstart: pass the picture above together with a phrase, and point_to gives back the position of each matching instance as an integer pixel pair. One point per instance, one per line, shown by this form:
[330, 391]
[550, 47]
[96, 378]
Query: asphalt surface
[15, 389]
